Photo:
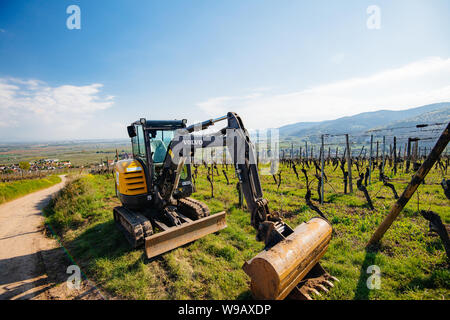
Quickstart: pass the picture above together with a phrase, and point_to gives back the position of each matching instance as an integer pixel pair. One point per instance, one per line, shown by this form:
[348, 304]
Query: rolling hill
[438, 112]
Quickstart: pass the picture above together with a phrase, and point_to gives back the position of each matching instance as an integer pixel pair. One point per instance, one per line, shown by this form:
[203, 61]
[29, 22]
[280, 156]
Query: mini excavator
[157, 211]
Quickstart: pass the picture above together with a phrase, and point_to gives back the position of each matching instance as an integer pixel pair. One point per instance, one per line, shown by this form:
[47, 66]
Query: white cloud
[33, 104]
[415, 84]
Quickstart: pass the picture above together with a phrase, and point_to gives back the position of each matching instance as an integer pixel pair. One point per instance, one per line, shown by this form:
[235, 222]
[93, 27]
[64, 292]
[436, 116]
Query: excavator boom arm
[237, 141]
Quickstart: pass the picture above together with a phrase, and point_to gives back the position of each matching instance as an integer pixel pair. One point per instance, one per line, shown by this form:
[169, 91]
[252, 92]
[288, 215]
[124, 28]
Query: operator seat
[159, 151]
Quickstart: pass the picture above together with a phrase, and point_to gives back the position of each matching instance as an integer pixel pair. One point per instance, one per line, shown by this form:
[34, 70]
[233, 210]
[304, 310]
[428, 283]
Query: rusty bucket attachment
[290, 268]
[176, 236]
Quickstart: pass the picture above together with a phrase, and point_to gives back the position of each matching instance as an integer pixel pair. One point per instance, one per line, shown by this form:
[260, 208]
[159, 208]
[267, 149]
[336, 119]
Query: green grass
[413, 265]
[15, 189]
[79, 153]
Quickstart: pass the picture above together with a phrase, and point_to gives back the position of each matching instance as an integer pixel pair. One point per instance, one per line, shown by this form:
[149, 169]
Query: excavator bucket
[290, 268]
[174, 237]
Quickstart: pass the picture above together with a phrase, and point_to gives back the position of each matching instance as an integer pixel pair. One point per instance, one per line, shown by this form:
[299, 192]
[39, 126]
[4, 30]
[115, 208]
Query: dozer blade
[185, 233]
[277, 271]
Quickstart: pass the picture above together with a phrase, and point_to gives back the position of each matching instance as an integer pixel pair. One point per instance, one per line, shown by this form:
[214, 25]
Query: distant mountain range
[362, 122]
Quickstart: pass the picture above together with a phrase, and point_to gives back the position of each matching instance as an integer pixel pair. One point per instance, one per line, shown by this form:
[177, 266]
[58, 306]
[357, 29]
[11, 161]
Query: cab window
[160, 144]
[134, 146]
[138, 143]
[141, 141]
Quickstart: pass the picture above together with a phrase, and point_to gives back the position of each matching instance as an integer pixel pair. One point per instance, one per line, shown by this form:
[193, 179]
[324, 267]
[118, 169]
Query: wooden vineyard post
[408, 156]
[395, 155]
[306, 150]
[415, 147]
[376, 157]
[258, 149]
[416, 180]
[417, 150]
[321, 171]
[349, 164]
[224, 157]
[370, 159]
[384, 154]
[239, 187]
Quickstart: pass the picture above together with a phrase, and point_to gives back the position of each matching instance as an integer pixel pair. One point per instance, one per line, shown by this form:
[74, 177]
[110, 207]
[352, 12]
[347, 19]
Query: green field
[16, 189]
[78, 152]
[413, 264]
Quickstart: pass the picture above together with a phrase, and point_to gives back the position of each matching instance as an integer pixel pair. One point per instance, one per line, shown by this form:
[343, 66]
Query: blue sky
[274, 62]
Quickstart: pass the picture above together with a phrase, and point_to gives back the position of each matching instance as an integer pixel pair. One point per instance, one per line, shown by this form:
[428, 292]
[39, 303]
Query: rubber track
[188, 204]
[135, 226]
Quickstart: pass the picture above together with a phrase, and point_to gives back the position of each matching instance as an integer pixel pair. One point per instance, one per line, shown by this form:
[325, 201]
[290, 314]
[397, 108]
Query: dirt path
[33, 266]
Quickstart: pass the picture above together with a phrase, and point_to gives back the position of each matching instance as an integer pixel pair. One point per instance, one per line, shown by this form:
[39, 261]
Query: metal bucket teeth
[330, 284]
[308, 288]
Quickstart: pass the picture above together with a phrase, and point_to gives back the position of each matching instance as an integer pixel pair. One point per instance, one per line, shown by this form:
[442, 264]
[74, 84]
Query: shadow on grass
[24, 277]
[333, 197]
[439, 278]
[102, 240]
[298, 211]
[245, 295]
[362, 291]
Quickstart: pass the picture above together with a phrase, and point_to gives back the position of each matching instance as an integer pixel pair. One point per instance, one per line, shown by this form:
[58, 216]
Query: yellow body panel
[130, 177]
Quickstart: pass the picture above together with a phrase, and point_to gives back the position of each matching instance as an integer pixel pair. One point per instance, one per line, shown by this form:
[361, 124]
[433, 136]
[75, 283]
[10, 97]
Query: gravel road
[33, 266]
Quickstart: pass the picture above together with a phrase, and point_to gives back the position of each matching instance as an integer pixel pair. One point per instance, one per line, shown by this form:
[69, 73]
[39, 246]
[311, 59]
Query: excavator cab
[154, 191]
[159, 134]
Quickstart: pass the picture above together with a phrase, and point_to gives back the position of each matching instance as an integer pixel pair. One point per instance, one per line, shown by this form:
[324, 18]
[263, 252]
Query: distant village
[42, 164]
[54, 164]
